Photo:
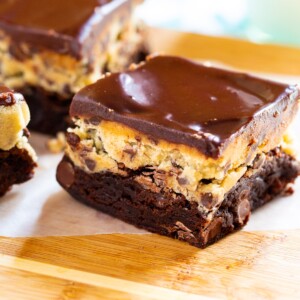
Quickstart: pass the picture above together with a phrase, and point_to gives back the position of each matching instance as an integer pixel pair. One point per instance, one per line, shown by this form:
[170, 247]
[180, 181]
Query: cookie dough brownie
[180, 149]
[17, 158]
[48, 51]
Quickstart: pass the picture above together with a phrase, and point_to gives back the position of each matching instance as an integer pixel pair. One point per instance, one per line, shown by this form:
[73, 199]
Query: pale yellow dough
[13, 119]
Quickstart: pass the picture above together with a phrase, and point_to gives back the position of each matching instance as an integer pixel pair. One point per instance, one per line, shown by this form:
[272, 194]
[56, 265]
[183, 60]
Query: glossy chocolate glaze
[6, 96]
[65, 26]
[181, 101]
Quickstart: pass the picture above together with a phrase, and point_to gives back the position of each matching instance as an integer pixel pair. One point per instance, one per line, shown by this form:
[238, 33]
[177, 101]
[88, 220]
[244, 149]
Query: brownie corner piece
[17, 158]
[159, 146]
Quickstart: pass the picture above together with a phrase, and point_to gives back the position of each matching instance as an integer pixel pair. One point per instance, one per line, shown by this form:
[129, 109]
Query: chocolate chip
[160, 171]
[65, 174]
[243, 211]
[95, 120]
[182, 232]
[121, 166]
[72, 139]
[130, 151]
[153, 140]
[212, 230]
[244, 194]
[138, 138]
[91, 164]
[67, 89]
[26, 132]
[182, 180]
[259, 161]
[276, 114]
[208, 200]
[7, 99]
[182, 226]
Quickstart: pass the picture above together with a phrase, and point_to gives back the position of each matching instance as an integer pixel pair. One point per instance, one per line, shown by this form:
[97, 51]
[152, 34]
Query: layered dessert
[17, 158]
[50, 50]
[179, 148]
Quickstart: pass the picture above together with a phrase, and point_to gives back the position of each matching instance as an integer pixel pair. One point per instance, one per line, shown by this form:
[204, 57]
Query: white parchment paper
[41, 208]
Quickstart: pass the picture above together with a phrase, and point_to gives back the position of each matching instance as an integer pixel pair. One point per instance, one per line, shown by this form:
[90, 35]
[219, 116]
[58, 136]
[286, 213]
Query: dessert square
[179, 148]
[17, 158]
[49, 52]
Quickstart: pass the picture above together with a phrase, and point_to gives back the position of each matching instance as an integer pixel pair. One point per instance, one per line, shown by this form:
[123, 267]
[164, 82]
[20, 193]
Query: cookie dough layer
[13, 119]
[169, 213]
[113, 147]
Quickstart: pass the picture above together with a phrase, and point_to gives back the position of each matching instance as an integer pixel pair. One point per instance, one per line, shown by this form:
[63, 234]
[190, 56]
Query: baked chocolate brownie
[179, 148]
[17, 158]
[50, 51]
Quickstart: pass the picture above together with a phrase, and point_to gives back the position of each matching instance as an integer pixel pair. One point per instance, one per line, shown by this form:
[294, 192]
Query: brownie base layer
[50, 111]
[170, 214]
[16, 166]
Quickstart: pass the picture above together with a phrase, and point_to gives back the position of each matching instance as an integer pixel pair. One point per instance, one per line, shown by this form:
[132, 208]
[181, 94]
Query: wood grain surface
[240, 54]
[245, 265]
[260, 265]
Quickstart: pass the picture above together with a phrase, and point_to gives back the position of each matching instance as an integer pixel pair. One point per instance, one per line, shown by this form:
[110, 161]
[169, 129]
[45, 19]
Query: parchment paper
[41, 208]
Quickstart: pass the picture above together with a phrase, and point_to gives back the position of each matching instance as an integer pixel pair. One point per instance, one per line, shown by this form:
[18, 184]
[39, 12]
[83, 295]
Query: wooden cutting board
[245, 265]
[261, 265]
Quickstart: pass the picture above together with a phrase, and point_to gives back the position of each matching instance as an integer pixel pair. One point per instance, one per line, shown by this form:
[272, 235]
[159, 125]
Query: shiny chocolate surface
[171, 96]
[61, 25]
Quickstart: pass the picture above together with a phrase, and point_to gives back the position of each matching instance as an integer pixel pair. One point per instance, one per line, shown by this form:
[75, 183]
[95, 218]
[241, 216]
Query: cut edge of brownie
[16, 166]
[171, 214]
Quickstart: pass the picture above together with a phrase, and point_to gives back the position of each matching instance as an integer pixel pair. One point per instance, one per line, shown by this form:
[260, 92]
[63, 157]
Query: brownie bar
[56, 50]
[16, 166]
[174, 129]
[170, 213]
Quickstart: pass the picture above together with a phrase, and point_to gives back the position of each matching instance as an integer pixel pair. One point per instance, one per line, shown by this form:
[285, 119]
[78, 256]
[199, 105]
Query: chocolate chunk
[26, 132]
[91, 164]
[259, 161]
[208, 201]
[244, 211]
[72, 139]
[95, 121]
[6, 96]
[65, 174]
[130, 151]
[182, 181]
[213, 229]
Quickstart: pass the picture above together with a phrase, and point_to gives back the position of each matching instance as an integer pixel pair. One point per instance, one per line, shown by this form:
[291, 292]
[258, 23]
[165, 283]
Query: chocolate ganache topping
[181, 101]
[65, 26]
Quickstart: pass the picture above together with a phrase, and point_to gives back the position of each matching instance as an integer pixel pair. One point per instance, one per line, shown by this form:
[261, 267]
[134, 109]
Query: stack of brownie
[50, 50]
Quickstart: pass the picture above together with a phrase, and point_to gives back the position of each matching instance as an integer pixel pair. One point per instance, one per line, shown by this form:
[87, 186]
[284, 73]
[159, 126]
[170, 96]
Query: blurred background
[260, 21]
